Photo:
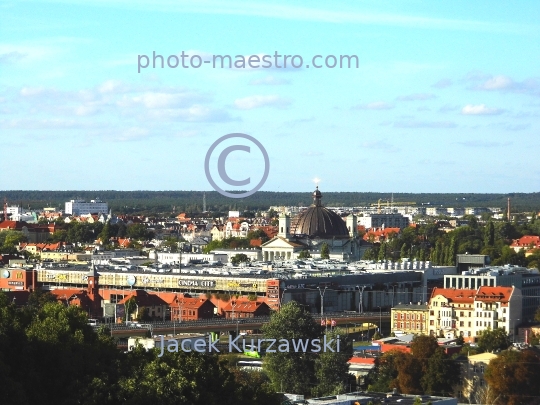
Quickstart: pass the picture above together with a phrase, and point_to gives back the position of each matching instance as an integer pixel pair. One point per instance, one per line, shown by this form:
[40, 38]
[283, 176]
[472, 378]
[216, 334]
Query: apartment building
[451, 313]
[497, 307]
[80, 207]
[410, 318]
[468, 313]
[526, 280]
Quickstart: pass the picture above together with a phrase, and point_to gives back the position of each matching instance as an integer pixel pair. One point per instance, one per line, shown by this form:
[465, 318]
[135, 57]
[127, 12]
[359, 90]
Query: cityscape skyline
[445, 97]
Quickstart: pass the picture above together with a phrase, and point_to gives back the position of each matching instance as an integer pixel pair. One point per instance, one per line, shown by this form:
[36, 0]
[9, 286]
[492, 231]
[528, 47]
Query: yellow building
[410, 318]
[473, 385]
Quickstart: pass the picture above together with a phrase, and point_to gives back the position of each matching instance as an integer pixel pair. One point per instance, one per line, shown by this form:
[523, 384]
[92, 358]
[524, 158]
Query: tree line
[152, 202]
[428, 242]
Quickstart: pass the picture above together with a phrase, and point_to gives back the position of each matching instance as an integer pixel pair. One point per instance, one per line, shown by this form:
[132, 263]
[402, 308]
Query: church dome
[319, 222]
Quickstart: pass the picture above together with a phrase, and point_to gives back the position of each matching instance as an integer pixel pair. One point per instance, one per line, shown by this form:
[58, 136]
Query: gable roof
[244, 306]
[458, 296]
[494, 294]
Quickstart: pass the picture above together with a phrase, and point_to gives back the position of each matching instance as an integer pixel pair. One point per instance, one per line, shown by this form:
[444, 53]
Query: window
[431, 323]
[408, 316]
[418, 326]
[395, 315]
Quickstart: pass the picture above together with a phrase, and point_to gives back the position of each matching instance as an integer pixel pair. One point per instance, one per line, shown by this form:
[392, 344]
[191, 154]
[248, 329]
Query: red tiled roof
[526, 241]
[459, 296]
[494, 294]
[243, 306]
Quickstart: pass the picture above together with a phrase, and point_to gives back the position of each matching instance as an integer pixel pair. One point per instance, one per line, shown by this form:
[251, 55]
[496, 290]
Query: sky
[445, 96]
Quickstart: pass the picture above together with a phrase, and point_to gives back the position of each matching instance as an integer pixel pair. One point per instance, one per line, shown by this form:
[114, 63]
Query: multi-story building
[527, 281]
[80, 207]
[434, 211]
[473, 385]
[391, 220]
[467, 312]
[451, 313]
[410, 318]
[497, 307]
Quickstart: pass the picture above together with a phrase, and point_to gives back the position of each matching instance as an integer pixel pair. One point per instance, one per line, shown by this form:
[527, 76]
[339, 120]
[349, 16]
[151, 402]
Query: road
[232, 325]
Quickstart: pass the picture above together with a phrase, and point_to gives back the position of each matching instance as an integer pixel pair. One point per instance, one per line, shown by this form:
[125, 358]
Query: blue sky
[446, 97]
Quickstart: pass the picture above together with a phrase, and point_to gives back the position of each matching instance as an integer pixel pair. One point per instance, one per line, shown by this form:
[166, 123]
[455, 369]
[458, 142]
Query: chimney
[508, 209]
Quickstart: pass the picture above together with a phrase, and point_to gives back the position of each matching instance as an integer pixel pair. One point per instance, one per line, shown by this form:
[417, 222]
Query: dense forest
[153, 202]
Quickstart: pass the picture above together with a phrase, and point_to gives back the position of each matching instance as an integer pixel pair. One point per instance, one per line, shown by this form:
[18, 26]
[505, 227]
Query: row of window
[419, 317]
[408, 325]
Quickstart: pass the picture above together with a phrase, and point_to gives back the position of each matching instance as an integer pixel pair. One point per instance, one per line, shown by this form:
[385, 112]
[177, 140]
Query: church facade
[310, 230]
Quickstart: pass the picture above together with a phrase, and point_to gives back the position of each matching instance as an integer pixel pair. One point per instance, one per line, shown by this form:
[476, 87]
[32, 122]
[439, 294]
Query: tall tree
[325, 251]
[493, 340]
[292, 371]
[513, 376]
[332, 368]
[489, 234]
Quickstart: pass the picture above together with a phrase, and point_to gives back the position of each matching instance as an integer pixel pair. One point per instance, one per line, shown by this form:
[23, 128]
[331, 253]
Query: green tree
[304, 254]
[489, 234]
[293, 371]
[105, 234]
[9, 240]
[239, 258]
[325, 251]
[332, 368]
[403, 252]
[493, 340]
[139, 232]
[441, 374]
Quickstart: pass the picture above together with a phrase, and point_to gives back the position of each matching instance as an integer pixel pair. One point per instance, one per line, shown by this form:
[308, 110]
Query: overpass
[239, 324]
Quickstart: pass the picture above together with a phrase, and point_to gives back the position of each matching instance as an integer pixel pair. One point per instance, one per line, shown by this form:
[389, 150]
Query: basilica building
[310, 230]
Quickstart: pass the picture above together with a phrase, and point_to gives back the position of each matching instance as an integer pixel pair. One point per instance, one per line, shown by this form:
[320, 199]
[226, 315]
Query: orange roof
[459, 296]
[526, 241]
[255, 242]
[243, 306]
[362, 360]
[494, 294]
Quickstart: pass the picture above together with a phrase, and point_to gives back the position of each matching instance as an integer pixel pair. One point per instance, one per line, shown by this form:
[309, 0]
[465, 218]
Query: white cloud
[496, 83]
[416, 97]
[376, 105]
[480, 109]
[251, 102]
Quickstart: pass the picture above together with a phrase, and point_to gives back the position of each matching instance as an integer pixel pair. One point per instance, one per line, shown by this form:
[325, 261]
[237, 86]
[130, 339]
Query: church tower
[284, 230]
[93, 291]
[351, 225]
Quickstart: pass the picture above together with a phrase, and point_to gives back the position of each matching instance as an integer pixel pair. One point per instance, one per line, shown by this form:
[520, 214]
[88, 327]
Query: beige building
[467, 313]
[451, 313]
[410, 318]
[474, 388]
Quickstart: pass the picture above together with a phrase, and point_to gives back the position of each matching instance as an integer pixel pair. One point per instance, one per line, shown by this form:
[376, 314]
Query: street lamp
[380, 320]
[281, 300]
[361, 300]
[322, 304]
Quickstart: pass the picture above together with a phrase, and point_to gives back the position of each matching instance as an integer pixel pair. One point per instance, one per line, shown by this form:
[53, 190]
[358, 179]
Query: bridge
[239, 324]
